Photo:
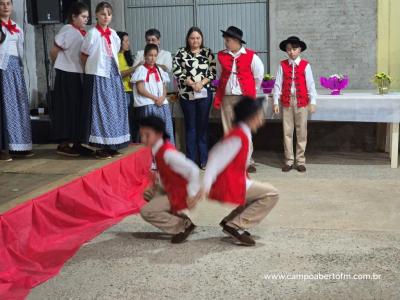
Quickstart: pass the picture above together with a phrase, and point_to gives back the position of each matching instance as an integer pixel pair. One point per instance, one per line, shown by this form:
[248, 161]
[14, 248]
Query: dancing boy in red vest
[226, 179]
[179, 178]
[295, 87]
[240, 72]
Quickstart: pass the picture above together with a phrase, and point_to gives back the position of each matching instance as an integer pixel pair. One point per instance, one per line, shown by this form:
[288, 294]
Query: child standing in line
[15, 134]
[178, 176]
[226, 180]
[126, 68]
[107, 125]
[67, 107]
[295, 87]
[150, 91]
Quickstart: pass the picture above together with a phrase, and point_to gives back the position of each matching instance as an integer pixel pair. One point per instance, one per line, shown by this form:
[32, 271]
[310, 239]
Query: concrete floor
[341, 217]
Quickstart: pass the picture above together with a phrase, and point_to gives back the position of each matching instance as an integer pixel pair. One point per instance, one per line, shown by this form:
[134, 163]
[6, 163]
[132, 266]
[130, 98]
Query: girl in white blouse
[15, 123]
[107, 124]
[67, 104]
[150, 91]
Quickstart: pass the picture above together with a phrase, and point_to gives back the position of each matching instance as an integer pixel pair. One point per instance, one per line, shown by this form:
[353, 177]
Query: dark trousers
[131, 115]
[196, 114]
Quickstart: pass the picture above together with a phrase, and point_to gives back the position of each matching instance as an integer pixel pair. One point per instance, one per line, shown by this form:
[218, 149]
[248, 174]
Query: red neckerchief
[151, 70]
[10, 26]
[105, 33]
[82, 31]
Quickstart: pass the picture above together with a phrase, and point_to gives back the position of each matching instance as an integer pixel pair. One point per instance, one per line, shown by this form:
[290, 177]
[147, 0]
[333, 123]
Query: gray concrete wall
[30, 57]
[341, 36]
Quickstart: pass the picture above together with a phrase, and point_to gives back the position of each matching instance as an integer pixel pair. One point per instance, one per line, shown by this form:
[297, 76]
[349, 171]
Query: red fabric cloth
[244, 74]
[174, 184]
[106, 33]
[230, 185]
[39, 236]
[299, 81]
[151, 70]
[12, 28]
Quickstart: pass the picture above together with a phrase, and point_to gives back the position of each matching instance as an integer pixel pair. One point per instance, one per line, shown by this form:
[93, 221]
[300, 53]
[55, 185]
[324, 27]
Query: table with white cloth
[351, 106]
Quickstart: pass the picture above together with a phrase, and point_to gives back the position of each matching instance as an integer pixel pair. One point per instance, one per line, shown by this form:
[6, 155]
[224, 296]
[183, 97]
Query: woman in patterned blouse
[194, 67]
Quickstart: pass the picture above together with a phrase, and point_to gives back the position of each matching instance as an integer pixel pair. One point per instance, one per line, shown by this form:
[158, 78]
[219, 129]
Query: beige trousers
[158, 213]
[260, 199]
[295, 118]
[227, 113]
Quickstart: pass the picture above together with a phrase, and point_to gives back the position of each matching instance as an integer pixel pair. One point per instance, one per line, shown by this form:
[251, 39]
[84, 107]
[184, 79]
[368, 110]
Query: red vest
[299, 81]
[174, 184]
[230, 185]
[244, 74]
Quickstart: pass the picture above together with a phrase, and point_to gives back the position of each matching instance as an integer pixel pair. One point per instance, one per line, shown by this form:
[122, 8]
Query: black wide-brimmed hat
[234, 32]
[247, 107]
[292, 40]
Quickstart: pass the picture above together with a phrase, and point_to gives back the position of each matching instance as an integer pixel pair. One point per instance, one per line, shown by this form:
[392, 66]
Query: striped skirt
[16, 134]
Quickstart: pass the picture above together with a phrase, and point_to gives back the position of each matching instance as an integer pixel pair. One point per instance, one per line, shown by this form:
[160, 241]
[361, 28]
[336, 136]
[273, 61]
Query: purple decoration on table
[335, 84]
[268, 85]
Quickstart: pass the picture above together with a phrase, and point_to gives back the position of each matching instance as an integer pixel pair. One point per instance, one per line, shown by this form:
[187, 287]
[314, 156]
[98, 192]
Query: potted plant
[335, 83]
[382, 81]
[268, 83]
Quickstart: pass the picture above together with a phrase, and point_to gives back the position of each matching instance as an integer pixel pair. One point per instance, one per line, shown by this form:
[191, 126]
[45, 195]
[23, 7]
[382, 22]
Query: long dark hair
[191, 30]
[127, 54]
[76, 9]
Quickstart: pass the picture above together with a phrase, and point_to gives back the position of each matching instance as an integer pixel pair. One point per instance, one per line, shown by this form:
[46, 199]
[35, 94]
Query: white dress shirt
[312, 92]
[13, 45]
[153, 86]
[164, 58]
[98, 51]
[70, 40]
[178, 162]
[222, 154]
[257, 68]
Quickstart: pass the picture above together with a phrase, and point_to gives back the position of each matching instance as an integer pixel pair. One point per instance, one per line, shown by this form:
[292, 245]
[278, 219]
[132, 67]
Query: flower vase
[383, 86]
[268, 85]
[334, 84]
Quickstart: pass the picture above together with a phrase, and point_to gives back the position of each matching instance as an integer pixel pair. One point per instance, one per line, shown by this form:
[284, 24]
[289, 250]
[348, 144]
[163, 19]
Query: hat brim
[225, 33]
[284, 43]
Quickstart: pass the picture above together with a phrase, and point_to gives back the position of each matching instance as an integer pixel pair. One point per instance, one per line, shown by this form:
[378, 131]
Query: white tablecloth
[351, 106]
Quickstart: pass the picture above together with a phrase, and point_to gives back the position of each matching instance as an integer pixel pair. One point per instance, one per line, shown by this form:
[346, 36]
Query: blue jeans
[196, 114]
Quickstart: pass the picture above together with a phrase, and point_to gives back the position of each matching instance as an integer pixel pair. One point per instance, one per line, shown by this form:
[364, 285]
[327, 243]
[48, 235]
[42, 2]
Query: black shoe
[301, 168]
[203, 166]
[252, 168]
[24, 154]
[84, 151]
[67, 151]
[114, 153]
[102, 154]
[223, 223]
[181, 237]
[242, 239]
[286, 168]
[5, 156]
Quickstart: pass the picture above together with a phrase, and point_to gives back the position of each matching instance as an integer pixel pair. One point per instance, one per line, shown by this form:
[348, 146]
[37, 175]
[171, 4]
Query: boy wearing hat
[240, 72]
[179, 177]
[295, 88]
[226, 179]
